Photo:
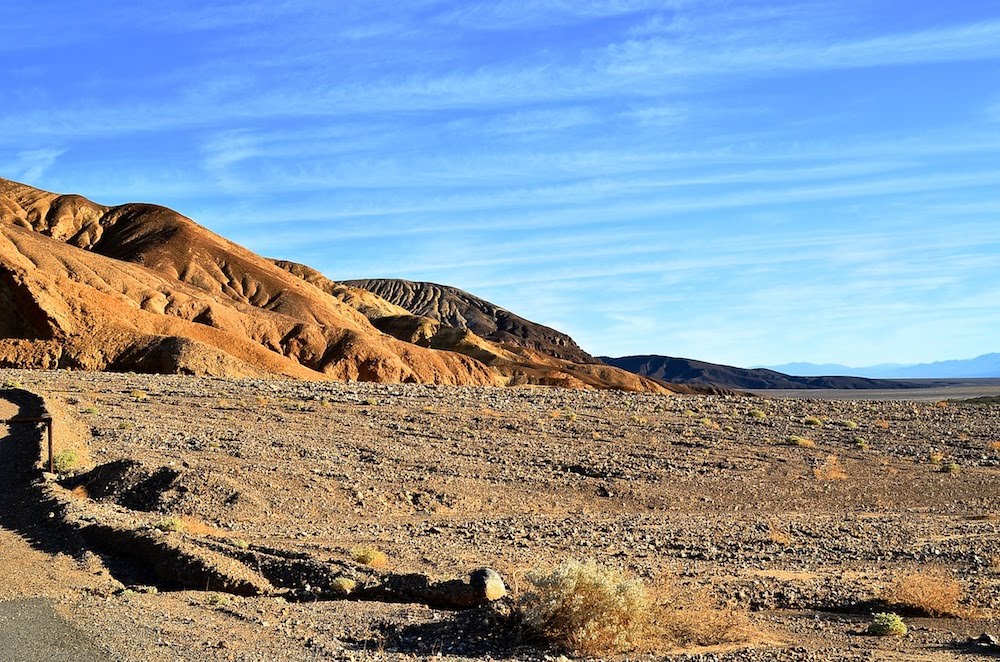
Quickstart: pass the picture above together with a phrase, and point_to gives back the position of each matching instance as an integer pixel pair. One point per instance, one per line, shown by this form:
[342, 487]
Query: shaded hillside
[520, 365]
[688, 371]
[141, 287]
[457, 308]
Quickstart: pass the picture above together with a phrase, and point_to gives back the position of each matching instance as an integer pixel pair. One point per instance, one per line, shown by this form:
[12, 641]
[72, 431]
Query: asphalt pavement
[32, 631]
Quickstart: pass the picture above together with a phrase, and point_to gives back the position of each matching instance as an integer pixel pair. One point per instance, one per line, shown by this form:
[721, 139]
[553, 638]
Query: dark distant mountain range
[985, 366]
[689, 371]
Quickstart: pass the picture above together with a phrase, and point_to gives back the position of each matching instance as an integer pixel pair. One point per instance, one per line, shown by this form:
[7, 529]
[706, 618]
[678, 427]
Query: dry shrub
[882, 423]
[931, 592]
[593, 611]
[370, 556]
[801, 442]
[830, 469]
[994, 446]
[80, 492]
[587, 609]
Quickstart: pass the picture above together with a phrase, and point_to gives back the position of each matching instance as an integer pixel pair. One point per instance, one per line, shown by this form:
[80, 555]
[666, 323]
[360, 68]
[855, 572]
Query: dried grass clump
[801, 442]
[593, 611]
[831, 469]
[370, 556]
[931, 593]
[170, 524]
[587, 609]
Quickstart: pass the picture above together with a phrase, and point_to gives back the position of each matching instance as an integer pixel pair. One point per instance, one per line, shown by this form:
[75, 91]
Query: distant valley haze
[746, 183]
[985, 366]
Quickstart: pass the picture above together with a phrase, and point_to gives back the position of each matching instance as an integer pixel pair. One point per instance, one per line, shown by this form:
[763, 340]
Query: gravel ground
[716, 493]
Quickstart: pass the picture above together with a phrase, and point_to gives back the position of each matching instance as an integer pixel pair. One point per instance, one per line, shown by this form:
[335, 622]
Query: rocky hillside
[688, 371]
[457, 308]
[140, 287]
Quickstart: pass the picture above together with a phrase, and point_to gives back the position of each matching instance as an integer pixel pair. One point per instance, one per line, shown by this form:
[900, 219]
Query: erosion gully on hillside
[800, 512]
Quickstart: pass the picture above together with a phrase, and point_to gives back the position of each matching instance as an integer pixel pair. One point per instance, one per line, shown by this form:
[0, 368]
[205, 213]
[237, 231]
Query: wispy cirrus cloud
[31, 165]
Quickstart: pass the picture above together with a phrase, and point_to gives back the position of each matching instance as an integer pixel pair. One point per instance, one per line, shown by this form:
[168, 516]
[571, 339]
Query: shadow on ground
[23, 508]
[494, 631]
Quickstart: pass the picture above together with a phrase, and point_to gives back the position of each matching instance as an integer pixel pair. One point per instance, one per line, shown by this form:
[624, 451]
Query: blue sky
[740, 182]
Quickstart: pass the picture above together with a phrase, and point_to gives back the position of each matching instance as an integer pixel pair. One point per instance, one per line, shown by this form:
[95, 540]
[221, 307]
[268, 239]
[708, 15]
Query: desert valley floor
[797, 515]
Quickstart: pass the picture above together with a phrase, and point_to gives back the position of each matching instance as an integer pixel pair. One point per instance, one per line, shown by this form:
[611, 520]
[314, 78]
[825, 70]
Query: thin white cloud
[31, 165]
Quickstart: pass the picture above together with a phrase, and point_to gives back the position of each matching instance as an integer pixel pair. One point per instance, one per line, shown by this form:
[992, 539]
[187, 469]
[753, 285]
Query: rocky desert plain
[784, 547]
[253, 462]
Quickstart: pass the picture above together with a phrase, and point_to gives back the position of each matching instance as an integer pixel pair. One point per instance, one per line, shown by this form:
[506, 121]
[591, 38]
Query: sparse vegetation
[10, 383]
[757, 414]
[587, 609]
[65, 461]
[801, 442]
[218, 599]
[170, 524]
[882, 424]
[951, 468]
[138, 396]
[593, 610]
[343, 586]
[861, 443]
[935, 457]
[89, 410]
[709, 423]
[930, 593]
[369, 556]
[887, 625]
[848, 424]
[812, 421]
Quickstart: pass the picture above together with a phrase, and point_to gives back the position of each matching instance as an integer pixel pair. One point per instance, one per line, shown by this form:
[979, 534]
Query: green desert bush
[757, 414]
[812, 421]
[65, 461]
[887, 625]
[169, 524]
